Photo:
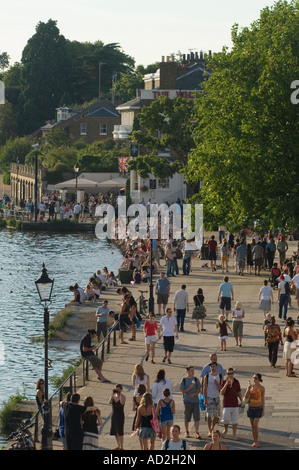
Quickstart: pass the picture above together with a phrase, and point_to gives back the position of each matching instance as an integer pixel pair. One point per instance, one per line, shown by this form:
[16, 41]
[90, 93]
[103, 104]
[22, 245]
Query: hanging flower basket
[143, 188]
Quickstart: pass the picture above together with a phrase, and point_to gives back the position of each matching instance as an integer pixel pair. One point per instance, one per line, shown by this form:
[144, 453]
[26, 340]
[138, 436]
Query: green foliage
[13, 150]
[8, 410]
[45, 76]
[247, 146]
[160, 167]
[85, 59]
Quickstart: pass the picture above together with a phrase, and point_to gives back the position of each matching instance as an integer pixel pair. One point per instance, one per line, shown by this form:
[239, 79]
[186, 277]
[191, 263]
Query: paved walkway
[279, 428]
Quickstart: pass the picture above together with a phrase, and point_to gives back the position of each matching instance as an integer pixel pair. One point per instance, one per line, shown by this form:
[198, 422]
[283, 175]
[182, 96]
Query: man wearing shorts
[231, 391]
[212, 385]
[190, 387]
[162, 291]
[225, 296]
[86, 349]
[169, 326]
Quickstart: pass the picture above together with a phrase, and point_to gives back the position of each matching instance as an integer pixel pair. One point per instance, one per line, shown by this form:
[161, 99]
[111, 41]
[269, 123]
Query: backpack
[167, 444]
[287, 288]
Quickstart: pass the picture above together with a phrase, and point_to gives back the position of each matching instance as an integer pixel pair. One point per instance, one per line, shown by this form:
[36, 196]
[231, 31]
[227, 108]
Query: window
[83, 129]
[103, 129]
[163, 183]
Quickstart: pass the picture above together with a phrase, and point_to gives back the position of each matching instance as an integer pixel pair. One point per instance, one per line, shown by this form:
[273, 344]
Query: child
[222, 324]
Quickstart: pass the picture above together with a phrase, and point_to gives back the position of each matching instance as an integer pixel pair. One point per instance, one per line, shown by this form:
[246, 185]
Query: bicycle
[143, 306]
[22, 437]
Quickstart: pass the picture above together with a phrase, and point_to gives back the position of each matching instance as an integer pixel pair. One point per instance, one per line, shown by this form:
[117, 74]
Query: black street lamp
[44, 287]
[151, 302]
[76, 168]
[35, 146]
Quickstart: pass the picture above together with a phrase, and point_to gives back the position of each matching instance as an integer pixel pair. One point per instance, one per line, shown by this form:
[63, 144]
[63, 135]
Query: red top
[212, 244]
[230, 398]
[150, 328]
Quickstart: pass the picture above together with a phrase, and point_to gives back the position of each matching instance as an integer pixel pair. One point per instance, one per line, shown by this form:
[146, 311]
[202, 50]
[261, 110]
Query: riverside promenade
[279, 428]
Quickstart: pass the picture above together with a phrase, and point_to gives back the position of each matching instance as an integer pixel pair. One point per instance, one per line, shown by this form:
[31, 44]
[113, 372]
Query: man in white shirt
[169, 326]
[77, 210]
[180, 306]
[283, 298]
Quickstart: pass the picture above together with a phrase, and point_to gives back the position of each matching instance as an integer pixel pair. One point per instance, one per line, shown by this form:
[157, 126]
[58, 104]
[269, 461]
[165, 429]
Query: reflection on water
[68, 259]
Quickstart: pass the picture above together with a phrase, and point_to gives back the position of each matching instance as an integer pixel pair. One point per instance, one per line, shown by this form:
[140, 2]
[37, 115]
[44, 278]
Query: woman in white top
[140, 377]
[238, 314]
[265, 298]
[159, 385]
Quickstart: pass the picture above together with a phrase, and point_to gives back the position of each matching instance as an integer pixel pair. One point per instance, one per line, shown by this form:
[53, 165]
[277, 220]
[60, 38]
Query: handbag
[155, 423]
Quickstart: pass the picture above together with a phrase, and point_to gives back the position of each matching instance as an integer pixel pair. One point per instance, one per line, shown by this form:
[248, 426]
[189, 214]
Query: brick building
[92, 124]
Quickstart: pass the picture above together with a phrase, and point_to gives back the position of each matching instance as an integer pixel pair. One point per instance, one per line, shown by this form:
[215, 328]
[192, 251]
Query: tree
[165, 124]
[45, 76]
[247, 143]
[86, 58]
[127, 83]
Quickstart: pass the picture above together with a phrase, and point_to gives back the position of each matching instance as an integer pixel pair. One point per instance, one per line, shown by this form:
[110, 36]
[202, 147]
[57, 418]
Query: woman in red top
[150, 327]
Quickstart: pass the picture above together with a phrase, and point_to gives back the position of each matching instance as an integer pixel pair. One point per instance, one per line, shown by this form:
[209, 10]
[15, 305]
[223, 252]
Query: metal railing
[70, 383]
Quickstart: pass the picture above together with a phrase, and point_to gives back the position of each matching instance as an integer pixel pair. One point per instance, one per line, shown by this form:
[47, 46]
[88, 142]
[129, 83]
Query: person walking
[273, 338]
[291, 336]
[187, 256]
[150, 328]
[256, 406]
[282, 297]
[223, 325]
[162, 291]
[238, 314]
[168, 325]
[181, 306]
[140, 377]
[212, 252]
[165, 411]
[215, 444]
[175, 443]
[159, 385]
[118, 401]
[212, 385]
[241, 255]
[199, 311]
[265, 298]
[102, 315]
[190, 387]
[231, 392]
[226, 295]
[145, 414]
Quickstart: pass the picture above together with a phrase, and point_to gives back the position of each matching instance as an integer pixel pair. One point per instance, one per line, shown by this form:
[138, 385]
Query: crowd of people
[153, 403]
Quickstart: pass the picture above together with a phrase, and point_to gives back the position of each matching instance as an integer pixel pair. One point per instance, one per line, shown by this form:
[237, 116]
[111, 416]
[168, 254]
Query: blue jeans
[186, 265]
[283, 304]
[180, 318]
[170, 267]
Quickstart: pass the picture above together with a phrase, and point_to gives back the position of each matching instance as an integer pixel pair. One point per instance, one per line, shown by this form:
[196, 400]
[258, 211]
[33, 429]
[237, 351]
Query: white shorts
[150, 339]
[230, 415]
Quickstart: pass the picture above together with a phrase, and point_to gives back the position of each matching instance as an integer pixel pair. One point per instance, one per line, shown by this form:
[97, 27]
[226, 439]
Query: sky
[145, 30]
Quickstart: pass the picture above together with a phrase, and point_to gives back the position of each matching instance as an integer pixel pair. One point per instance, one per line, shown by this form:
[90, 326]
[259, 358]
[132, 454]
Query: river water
[68, 259]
